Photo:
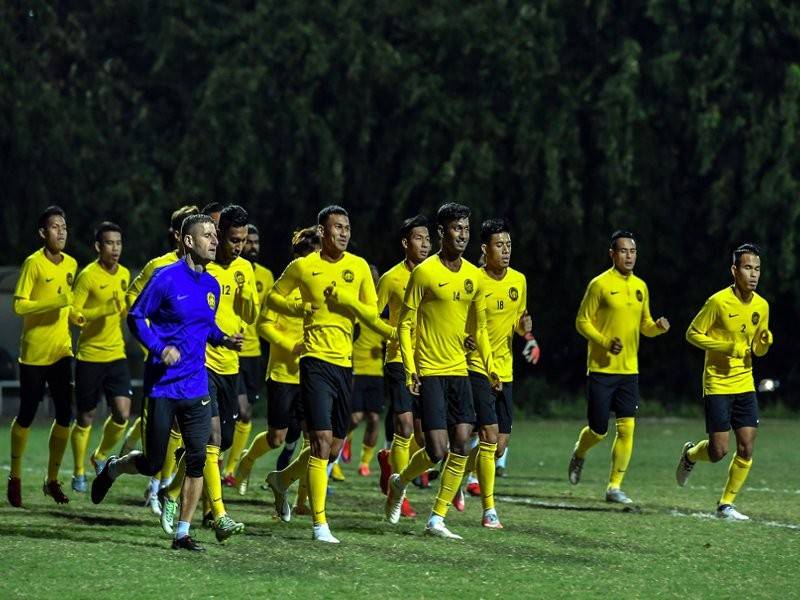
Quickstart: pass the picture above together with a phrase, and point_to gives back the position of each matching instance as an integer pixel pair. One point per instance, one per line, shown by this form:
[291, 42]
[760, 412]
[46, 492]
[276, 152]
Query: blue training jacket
[180, 305]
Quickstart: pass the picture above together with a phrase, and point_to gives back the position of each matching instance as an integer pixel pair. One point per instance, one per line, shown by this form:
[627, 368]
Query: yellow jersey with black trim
[283, 332]
[729, 331]
[96, 292]
[505, 300]
[439, 301]
[391, 292]
[264, 282]
[328, 331]
[45, 335]
[138, 283]
[615, 306]
[368, 352]
[238, 307]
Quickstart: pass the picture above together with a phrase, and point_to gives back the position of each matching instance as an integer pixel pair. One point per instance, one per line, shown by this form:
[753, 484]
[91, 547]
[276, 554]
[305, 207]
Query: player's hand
[663, 323]
[414, 384]
[616, 346]
[497, 385]
[470, 343]
[233, 342]
[170, 355]
[298, 348]
[525, 322]
[77, 318]
[330, 291]
[766, 337]
[531, 352]
[741, 349]
[309, 309]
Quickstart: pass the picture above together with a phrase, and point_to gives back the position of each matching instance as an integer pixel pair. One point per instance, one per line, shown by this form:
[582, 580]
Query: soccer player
[614, 310]
[250, 369]
[416, 243]
[173, 317]
[732, 327]
[441, 293]
[336, 289]
[368, 386]
[285, 336]
[101, 364]
[506, 292]
[42, 298]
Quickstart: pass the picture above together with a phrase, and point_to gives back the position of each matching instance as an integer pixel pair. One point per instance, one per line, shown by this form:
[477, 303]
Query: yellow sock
[302, 491]
[737, 473]
[621, 451]
[206, 503]
[212, 482]
[296, 468]
[241, 433]
[399, 452]
[112, 434]
[472, 459]
[413, 447]
[135, 432]
[449, 482]
[699, 452]
[485, 468]
[175, 442]
[317, 488]
[367, 453]
[258, 448]
[419, 463]
[174, 488]
[19, 439]
[586, 440]
[79, 439]
[58, 443]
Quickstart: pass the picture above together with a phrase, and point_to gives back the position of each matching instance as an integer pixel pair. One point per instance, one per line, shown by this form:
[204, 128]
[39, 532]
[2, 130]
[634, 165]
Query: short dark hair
[192, 221]
[451, 212]
[233, 216]
[305, 240]
[51, 211]
[491, 226]
[252, 229]
[748, 248]
[212, 207]
[103, 227]
[620, 233]
[333, 209]
[412, 223]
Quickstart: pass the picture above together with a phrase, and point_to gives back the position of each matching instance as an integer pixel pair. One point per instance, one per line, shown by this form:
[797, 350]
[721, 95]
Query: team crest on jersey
[259, 286]
[238, 277]
[212, 301]
[513, 294]
[468, 286]
[348, 275]
[755, 318]
[123, 284]
[639, 295]
[69, 278]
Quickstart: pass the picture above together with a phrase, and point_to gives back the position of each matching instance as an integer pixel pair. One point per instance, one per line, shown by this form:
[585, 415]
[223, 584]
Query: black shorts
[112, 378]
[367, 393]
[223, 390]
[194, 418]
[492, 407]
[400, 399]
[730, 411]
[325, 390]
[32, 380]
[445, 401]
[606, 393]
[250, 378]
[283, 404]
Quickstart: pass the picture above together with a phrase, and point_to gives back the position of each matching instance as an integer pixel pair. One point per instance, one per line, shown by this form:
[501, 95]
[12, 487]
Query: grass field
[559, 540]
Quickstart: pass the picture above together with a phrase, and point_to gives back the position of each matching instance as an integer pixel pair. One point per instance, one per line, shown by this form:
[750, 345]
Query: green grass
[559, 540]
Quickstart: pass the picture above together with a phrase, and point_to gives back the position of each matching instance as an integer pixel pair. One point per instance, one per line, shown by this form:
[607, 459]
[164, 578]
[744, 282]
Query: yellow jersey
[328, 331]
[437, 303]
[42, 298]
[391, 291]
[238, 307]
[615, 305]
[137, 285]
[368, 353]
[505, 299]
[264, 281]
[283, 332]
[729, 330]
[99, 298]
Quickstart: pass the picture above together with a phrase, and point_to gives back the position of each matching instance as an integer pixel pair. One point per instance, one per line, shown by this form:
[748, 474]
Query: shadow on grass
[105, 521]
[74, 535]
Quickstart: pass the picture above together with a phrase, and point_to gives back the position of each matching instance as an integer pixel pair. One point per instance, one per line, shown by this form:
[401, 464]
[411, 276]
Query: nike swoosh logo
[315, 273]
[48, 280]
[206, 403]
[730, 316]
[102, 287]
[443, 284]
[489, 294]
[183, 296]
[612, 293]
